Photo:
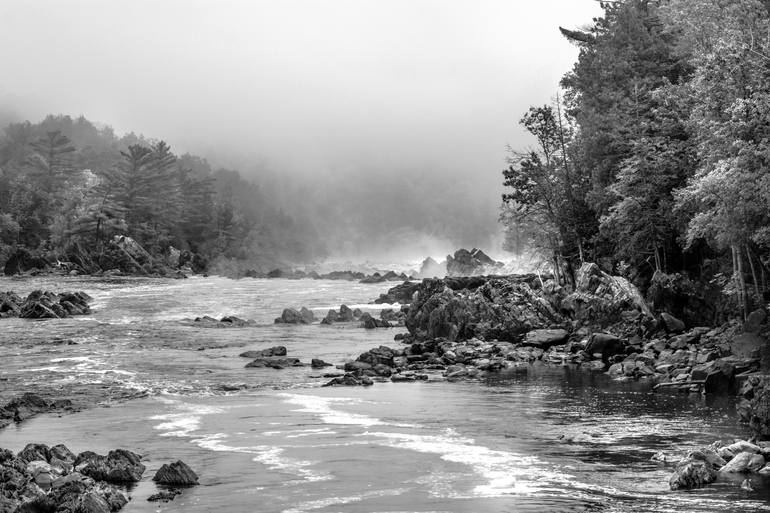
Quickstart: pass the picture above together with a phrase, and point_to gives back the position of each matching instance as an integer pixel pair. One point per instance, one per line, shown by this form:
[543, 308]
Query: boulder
[307, 316]
[546, 338]
[744, 462]
[601, 298]
[755, 320]
[119, 466]
[692, 474]
[274, 362]
[319, 364]
[672, 324]
[346, 314]
[606, 344]
[265, 353]
[163, 496]
[176, 473]
[291, 316]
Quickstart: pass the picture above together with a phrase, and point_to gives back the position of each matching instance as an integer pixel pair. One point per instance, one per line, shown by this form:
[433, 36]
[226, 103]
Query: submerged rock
[275, 362]
[265, 353]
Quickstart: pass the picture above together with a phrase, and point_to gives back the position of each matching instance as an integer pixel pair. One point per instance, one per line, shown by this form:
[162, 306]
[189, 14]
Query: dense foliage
[68, 187]
[657, 158]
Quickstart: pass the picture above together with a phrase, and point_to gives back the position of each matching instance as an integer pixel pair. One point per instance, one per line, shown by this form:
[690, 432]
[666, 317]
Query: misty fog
[386, 121]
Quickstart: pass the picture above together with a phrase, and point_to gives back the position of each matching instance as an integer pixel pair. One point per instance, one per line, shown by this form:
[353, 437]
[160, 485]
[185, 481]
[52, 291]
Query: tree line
[68, 186]
[656, 156]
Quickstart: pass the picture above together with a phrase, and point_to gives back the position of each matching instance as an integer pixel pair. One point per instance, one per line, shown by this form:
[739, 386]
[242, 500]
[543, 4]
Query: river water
[538, 439]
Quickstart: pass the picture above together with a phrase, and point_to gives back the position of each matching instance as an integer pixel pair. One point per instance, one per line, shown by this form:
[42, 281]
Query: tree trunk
[741, 282]
[753, 274]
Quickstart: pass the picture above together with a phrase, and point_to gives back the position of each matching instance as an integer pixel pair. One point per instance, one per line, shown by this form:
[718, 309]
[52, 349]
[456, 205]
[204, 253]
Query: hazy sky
[310, 86]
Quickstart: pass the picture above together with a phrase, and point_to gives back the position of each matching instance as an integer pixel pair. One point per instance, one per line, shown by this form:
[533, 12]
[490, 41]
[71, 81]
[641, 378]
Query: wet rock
[346, 314]
[119, 466]
[403, 293]
[176, 473]
[307, 316]
[547, 338]
[744, 462]
[274, 362]
[316, 363]
[349, 380]
[370, 323]
[265, 353]
[163, 496]
[331, 317]
[291, 316]
[692, 474]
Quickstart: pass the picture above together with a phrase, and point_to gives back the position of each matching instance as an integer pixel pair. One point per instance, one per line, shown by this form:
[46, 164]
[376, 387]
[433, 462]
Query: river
[545, 438]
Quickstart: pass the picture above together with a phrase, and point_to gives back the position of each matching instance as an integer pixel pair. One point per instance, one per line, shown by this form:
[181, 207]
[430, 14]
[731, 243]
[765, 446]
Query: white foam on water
[185, 422]
[506, 473]
[299, 433]
[271, 457]
[322, 406]
[74, 359]
[337, 501]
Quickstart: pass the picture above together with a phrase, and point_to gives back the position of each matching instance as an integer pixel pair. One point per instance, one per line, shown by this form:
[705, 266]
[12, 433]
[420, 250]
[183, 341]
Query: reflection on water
[542, 439]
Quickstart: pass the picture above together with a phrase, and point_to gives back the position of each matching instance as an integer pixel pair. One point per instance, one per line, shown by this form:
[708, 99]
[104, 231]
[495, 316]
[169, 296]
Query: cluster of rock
[44, 305]
[28, 405]
[274, 358]
[53, 479]
[376, 277]
[292, 316]
[388, 317]
[704, 466]
[229, 321]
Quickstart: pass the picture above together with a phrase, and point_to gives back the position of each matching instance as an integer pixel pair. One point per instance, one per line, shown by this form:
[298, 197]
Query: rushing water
[540, 439]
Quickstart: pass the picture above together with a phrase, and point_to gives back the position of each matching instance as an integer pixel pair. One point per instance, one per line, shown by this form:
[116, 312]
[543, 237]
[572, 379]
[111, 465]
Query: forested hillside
[655, 159]
[68, 187]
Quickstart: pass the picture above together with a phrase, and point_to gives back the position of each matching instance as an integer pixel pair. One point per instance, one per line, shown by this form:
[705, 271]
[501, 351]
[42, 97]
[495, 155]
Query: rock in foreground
[176, 473]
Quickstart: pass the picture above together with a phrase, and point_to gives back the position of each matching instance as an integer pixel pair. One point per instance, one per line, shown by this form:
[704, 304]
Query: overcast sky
[308, 85]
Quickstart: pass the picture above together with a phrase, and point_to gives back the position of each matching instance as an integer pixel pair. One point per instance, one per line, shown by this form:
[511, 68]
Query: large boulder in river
[292, 316]
[497, 308]
[176, 473]
[697, 469]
